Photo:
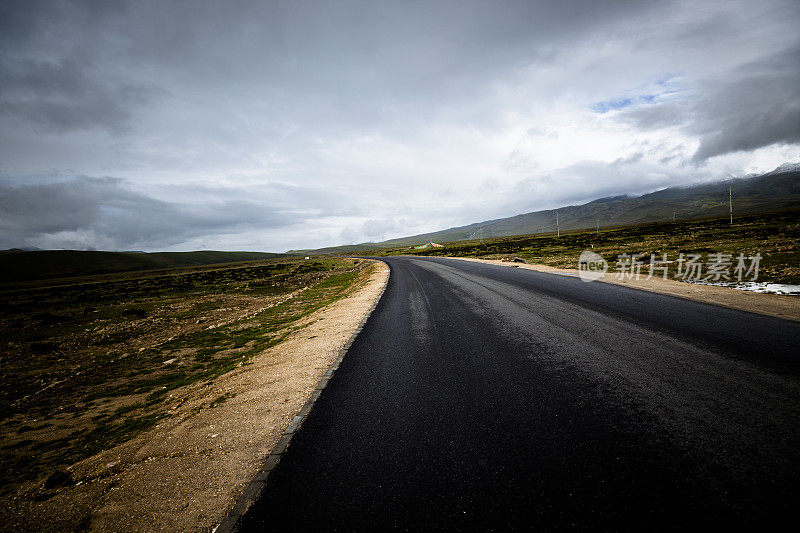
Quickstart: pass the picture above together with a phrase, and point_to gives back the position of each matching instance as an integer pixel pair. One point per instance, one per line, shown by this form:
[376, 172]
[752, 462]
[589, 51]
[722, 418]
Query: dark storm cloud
[754, 105]
[62, 96]
[87, 210]
[758, 106]
[78, 64]
[51, 70]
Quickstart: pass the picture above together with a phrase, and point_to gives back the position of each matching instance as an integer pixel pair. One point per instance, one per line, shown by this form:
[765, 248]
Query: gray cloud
[662, 115]
[272, 124]
[754, 105]
[758, 106]
[337, 65]
[57, 82]
[589, 180]
[88, 212]
[62, 96]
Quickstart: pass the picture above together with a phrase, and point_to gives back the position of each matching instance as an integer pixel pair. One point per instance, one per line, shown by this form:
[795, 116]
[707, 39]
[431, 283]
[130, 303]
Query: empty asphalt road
[493, 398]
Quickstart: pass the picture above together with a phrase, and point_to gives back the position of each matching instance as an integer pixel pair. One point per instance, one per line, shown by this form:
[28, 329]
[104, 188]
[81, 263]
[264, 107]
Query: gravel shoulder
[187, 473]
[787, 307]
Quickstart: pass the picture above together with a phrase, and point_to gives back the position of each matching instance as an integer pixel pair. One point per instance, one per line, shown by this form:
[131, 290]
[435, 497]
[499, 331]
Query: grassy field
[90, 362]
[776, 236]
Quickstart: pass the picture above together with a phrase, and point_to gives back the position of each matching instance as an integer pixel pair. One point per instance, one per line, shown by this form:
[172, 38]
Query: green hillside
[19, 265]
[774, 191]
[775, 236]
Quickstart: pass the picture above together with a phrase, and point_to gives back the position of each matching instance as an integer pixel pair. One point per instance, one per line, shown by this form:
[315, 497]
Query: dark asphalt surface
[493, 398]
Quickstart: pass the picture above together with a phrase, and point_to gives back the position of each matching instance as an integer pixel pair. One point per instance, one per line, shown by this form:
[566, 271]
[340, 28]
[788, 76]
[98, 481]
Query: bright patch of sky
[611, 105]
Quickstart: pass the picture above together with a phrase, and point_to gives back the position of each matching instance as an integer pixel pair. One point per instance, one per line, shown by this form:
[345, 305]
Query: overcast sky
[255, 125]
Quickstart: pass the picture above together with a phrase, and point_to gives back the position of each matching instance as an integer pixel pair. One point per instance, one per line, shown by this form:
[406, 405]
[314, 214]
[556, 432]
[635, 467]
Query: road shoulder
[776, 305]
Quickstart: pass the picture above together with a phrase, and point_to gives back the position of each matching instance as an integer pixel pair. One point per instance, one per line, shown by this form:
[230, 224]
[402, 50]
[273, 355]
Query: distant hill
[776, 190]
[23, 265]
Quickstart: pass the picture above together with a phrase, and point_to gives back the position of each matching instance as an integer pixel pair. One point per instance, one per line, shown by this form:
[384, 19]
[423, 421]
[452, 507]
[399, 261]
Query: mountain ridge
[770, 191]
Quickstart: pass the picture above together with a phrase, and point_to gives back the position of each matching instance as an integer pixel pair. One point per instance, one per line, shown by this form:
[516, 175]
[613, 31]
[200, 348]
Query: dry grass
[92, 362]
[776, 236]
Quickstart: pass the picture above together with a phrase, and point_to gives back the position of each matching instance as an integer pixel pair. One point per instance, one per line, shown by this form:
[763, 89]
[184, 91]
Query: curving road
[493, 398]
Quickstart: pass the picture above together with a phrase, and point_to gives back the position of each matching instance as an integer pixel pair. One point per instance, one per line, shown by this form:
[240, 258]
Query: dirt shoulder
[187, 472]
[776, 305]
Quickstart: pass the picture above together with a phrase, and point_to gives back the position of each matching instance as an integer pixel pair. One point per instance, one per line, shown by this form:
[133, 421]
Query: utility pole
[598, 227]
[558, 228]
[730, 202]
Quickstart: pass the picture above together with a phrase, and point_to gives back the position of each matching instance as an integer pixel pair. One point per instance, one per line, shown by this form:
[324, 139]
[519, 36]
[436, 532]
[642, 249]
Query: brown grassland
[88, 363]
[776, 236]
